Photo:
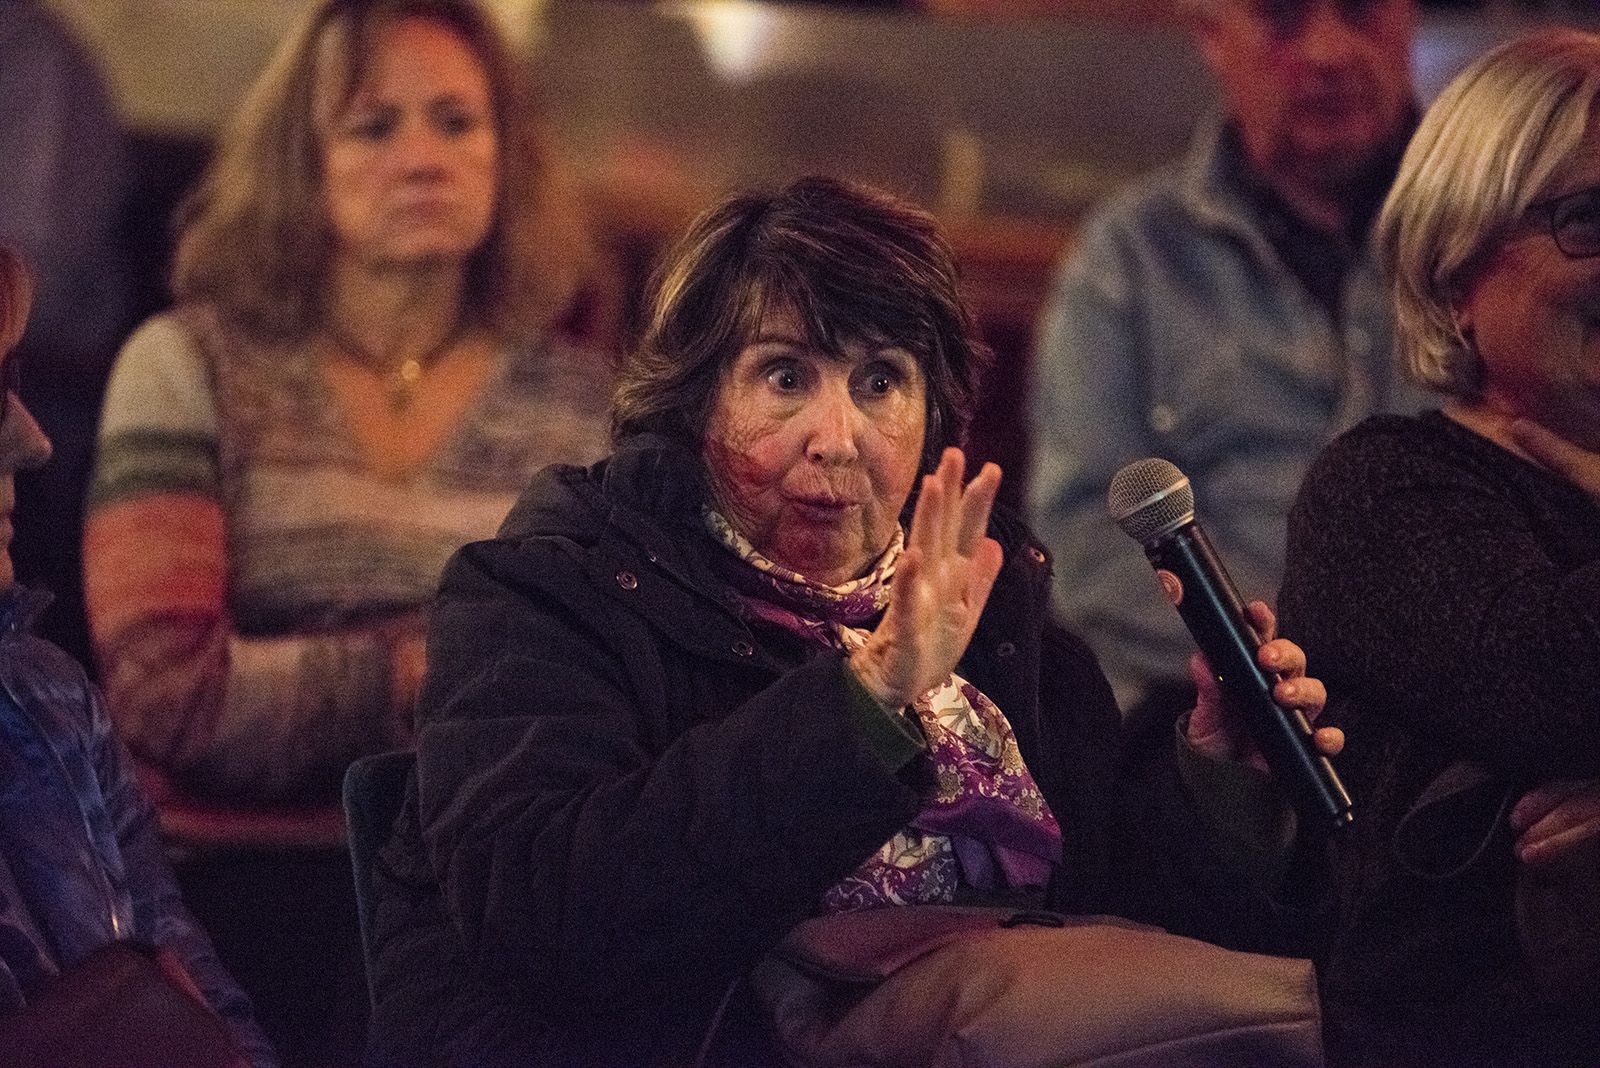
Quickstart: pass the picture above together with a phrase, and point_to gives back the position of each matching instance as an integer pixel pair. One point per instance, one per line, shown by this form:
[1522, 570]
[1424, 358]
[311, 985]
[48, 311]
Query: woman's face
[813, 456]
[1534, 315]
[410, 164]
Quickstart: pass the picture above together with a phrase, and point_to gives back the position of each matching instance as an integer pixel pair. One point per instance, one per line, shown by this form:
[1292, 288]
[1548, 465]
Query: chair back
[374, 790]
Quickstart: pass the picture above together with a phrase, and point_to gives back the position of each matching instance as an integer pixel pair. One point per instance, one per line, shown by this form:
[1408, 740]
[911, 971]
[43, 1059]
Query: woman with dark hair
[734, 676]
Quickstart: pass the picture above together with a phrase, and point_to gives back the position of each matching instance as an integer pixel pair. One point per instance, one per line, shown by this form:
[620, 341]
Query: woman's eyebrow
[778, 339]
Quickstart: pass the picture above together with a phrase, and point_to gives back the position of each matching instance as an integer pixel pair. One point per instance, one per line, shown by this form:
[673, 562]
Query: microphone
[1153, 503]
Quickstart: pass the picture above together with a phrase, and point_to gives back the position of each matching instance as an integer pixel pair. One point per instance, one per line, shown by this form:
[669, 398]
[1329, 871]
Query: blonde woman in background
[1444, 571]
[358, 377]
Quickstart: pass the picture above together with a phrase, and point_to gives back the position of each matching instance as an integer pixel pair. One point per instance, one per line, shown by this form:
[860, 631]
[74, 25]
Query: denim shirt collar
[1216, 184]
[1213, 192]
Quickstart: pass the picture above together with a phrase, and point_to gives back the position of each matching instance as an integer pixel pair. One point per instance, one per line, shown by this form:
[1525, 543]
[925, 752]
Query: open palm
[941, 583]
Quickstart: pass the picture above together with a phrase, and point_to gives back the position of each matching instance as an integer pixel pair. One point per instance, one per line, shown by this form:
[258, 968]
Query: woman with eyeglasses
[1444, 571]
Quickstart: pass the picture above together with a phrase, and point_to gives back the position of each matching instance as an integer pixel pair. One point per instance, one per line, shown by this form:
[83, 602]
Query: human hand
[941, 583]
[1214, 733]
[1572, 462]
[1554, 818]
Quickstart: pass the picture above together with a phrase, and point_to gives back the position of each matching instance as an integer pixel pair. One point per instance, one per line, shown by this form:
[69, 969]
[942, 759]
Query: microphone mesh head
[1150, 497]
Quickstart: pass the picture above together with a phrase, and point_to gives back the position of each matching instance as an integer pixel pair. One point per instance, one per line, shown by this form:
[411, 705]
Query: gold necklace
[400, 380]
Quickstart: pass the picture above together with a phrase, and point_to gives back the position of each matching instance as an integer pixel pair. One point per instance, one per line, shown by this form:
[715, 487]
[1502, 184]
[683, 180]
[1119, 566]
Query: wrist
[864, 666]
[1213, 743]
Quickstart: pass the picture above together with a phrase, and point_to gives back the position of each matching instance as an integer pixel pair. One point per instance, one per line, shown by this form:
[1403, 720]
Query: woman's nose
[834, 422]
[421, 148]
[23, 444]
[1326, 38]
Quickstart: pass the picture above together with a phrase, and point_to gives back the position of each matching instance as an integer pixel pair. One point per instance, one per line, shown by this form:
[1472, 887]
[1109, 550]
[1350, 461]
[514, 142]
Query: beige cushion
[954, 987]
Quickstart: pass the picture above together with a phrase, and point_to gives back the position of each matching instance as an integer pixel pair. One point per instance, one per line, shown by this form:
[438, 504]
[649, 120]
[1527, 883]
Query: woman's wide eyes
[879, 382]
[869, 382]
[784, 378]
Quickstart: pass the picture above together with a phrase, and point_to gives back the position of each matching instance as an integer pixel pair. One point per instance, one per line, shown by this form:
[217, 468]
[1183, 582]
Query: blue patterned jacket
[80, 851]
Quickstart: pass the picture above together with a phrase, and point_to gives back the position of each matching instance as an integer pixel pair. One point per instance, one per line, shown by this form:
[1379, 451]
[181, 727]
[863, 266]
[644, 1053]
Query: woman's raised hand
[940, 585]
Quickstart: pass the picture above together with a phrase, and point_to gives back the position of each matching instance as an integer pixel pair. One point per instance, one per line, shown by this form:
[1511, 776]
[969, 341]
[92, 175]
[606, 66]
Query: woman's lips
[827, 508]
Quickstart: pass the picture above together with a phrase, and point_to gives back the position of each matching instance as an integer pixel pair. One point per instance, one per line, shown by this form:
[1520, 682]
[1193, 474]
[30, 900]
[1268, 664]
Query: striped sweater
[254, 581]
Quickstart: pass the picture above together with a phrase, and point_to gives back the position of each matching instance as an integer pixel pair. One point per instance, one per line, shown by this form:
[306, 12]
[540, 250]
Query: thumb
[1206, 733]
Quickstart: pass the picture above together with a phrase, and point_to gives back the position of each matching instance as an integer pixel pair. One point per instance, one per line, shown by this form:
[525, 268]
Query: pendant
[403, 384]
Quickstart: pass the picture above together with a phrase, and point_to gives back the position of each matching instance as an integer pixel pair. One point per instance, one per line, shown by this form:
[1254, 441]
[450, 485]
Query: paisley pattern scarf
[986, 826]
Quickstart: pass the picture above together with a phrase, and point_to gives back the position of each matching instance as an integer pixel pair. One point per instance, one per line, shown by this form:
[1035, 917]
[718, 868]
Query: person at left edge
[81, 861]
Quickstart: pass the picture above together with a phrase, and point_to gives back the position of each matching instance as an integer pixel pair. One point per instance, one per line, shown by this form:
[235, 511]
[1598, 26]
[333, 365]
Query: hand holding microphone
[1152, 502]
[1216, 734]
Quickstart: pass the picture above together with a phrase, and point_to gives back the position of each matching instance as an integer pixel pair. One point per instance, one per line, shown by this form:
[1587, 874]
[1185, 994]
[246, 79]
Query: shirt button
[650, 557]
[743, 648]
[627, 580]
[1163, 419]
[1005, 649]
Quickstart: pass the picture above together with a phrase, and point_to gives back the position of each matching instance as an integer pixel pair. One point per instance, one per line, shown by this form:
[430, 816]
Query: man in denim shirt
[1225, 313]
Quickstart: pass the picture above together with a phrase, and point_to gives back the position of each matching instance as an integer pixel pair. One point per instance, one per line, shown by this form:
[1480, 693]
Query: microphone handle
[1215, 615]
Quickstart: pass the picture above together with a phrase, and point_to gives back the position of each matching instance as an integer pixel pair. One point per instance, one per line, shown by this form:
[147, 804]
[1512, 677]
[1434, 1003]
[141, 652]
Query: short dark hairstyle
[851, 262]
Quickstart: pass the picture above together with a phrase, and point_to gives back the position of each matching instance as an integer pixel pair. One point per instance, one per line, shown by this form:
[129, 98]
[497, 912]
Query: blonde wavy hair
[1492, 143]
[253, 238]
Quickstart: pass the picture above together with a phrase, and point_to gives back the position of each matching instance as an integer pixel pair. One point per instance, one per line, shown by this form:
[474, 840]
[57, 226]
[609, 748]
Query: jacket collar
[1216, 187]
[1212, 190]
[653, 475]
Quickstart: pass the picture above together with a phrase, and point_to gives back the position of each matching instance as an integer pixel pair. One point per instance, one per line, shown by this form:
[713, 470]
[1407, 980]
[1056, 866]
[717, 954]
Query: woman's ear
[1462, 310]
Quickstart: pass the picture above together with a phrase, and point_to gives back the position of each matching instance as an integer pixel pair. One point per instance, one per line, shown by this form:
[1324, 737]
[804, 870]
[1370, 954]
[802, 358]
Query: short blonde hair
[16, 298]
[253, 237]
[1491, 144]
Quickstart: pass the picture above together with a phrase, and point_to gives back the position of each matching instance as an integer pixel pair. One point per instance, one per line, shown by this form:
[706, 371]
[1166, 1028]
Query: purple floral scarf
[987, 826]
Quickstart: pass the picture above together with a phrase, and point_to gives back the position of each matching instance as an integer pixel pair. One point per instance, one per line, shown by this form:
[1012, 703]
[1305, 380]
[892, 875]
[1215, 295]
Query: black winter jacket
[625, 794]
